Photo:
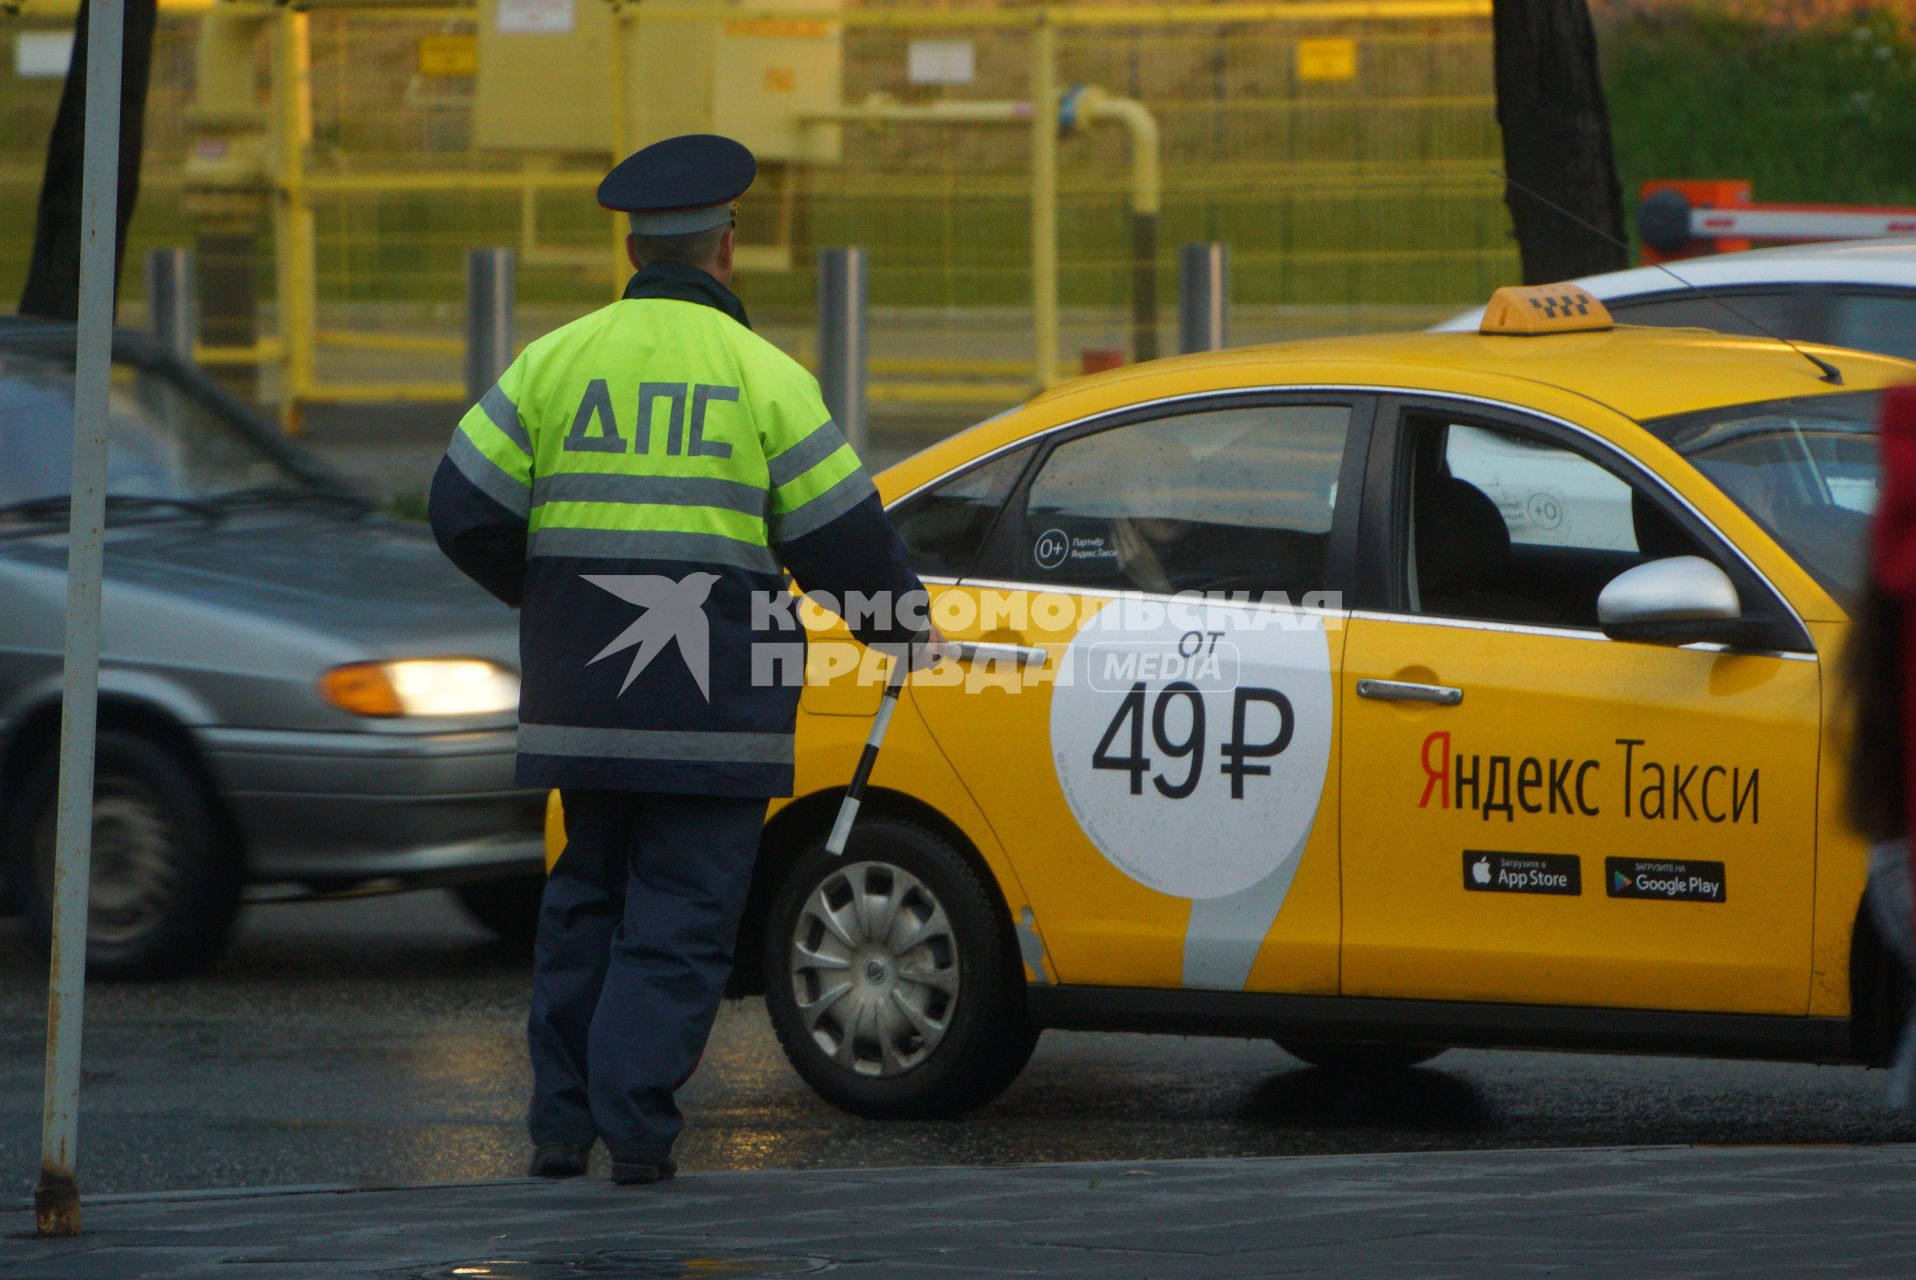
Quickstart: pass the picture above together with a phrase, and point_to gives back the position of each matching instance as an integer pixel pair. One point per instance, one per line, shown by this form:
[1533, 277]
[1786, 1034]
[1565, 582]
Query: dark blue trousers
[636, 932]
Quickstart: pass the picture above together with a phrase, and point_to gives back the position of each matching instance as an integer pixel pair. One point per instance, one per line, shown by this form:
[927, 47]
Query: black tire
[165, 884]
[987, 1036]
[508, 907]
[1359, 1057]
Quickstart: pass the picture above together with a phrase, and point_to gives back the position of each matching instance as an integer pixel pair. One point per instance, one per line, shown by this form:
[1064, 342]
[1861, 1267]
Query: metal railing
[995, 251]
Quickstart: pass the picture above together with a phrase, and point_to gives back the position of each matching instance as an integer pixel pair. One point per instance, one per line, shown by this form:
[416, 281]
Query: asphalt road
[379, 1041]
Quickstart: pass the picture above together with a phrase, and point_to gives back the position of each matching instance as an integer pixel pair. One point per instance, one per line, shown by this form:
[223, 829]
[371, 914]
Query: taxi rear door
[1534, 812]
[1159, 765]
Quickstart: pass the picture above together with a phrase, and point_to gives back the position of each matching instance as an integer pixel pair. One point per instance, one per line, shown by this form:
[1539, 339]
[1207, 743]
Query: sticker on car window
[1084, 548]
[1051, 549]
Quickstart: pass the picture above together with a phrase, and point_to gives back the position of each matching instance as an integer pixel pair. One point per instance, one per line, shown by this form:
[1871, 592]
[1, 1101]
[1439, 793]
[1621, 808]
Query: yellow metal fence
[1342, 149]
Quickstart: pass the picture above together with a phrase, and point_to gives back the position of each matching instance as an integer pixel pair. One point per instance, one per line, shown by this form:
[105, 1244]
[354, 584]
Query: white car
[1849, 293]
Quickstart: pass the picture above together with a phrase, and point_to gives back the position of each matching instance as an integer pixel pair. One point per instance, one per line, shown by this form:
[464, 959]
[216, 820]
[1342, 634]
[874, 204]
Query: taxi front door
[1534, 812]
[1160, 765]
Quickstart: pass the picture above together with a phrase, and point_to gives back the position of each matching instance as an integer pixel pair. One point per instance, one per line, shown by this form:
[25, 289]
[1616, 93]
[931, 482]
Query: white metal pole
[56, 1201]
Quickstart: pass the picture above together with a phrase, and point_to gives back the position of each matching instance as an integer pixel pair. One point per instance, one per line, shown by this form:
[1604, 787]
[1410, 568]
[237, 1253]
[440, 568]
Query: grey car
[297, 695]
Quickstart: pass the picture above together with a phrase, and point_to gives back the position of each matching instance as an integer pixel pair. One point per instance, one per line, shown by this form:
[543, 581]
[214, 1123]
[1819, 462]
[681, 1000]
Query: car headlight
[422, 687]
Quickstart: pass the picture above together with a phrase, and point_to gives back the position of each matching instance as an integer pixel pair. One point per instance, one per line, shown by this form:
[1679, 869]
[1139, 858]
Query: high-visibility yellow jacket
[638, 481]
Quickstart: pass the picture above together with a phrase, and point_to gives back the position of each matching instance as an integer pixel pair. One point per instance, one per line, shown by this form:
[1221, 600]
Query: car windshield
[1805, 468]
[164, 442]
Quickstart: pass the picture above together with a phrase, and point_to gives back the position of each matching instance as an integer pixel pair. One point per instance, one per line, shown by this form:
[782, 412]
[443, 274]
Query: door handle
[1404, 691]
[982, 651]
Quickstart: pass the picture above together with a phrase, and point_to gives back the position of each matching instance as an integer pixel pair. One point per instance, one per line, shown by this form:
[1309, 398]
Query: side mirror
[1678, 600]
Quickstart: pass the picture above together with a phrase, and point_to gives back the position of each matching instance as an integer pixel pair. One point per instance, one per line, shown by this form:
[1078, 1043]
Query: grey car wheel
[135, 861]
[163, 890]
[892, 978]
[874, 969]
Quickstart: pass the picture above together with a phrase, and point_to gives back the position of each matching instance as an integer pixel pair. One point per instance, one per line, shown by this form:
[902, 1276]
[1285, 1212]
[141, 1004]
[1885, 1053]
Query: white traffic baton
[848, 810]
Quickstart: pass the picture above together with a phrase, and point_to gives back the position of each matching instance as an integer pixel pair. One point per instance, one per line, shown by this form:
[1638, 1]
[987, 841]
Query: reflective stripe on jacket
[637, 482]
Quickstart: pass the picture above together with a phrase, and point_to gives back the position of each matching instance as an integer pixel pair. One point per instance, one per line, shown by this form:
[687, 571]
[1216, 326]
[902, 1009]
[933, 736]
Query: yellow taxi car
[1375, 695]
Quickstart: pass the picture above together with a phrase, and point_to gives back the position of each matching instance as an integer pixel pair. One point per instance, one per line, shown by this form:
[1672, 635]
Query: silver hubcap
[135, 871]
[874, 969]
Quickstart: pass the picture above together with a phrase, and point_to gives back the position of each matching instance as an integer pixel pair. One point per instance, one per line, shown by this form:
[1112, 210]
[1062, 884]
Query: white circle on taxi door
[1191, 739]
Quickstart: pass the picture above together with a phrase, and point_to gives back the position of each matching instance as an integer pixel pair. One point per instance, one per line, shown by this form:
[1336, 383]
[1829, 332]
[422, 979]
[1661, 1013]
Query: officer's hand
[930, 651]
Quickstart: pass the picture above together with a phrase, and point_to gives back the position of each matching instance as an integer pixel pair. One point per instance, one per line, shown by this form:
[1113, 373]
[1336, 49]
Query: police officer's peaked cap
[680, 186]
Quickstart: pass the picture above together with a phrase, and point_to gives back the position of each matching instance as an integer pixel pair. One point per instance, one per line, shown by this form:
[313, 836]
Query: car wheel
[1358, 1057]
[508, 907]
[164, 886]
[891, 980]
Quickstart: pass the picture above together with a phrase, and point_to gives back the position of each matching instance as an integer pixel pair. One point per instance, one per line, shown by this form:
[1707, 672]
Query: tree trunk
[53, 276]
[1556, 139]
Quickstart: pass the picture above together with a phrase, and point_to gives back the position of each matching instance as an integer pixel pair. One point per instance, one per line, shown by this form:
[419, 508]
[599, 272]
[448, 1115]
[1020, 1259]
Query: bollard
[226, 295]
[488, 319]
[172, 302]
[842, 299]
[1144, 286]
[1204, 296]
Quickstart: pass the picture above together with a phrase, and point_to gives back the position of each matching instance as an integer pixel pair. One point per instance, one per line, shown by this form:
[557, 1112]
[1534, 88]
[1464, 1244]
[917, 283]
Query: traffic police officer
[635, 482]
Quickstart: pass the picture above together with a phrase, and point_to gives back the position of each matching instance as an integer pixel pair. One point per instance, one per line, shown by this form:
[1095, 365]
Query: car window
[1546, 495]
[1511, 527]
[162, 441]
[1781, 313]
[1236, 498]
[1881, 322]
[944, 526]
[1806, 469]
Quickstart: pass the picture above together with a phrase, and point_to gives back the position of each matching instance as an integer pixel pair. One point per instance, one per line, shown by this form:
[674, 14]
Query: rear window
[1756, 314]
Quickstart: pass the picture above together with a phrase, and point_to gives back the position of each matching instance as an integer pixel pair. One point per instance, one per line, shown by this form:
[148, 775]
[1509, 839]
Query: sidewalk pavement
[1675, 1211]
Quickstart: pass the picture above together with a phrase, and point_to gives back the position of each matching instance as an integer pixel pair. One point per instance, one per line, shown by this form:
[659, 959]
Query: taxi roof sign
[1544, 308]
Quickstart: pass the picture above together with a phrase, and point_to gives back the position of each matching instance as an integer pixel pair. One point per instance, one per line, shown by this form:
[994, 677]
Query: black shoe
[636, 1173]
[557, 1162]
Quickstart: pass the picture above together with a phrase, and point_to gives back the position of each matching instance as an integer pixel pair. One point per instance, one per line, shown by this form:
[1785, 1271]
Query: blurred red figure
[1881, 663]
[1882, 656]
